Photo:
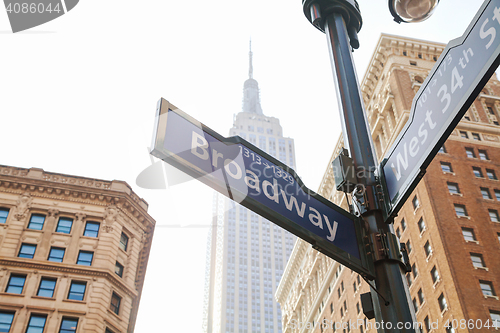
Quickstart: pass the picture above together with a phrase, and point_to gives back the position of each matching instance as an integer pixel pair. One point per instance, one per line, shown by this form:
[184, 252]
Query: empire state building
[247, 254]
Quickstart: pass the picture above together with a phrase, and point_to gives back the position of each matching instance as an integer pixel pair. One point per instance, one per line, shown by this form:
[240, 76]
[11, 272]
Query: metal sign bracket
[387, 247]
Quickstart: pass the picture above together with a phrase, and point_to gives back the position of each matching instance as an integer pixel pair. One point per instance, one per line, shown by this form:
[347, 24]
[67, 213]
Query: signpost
[258, 181]
[463, 69]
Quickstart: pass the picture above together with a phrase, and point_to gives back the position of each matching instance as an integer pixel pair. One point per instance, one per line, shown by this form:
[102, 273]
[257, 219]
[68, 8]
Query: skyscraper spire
[251, 96]
[250, 67]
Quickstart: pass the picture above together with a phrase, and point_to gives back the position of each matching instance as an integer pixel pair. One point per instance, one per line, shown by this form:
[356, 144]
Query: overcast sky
[79, 95]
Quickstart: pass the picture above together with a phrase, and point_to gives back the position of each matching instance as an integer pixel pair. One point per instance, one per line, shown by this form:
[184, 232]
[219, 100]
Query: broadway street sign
[455, 81]
[259, 182]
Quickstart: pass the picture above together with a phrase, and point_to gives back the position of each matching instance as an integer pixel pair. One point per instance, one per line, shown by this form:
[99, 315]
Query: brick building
[73, 253]
[450, 224]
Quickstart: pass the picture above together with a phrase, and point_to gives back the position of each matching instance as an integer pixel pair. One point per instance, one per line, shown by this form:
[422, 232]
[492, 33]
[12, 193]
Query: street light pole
[341, 20]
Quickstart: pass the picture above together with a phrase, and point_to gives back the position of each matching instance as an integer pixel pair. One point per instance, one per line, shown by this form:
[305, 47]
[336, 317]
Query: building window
[85, 258]
[483, 155]
[119, 269]
[115, 303]
[68, 325]
[487, 288]
[477, 260]
[495, 318]
[421, 225]
[6, 319]
[36, 222]
[415, 304]
[56, 254]
[91, 229]
[491, 174]
[408, 279]
[46, 288]
[427, 249]
[477, 172]
[123, 241]
[421, 298]
[497, 194]
[485, 192]
[446, 167]
[64, 225]
[453, 188]
[470, 153]
[464, 134]
[108, 330]
[476, 136]
[77, 290]
[427, 324]
[434, 274]
[468, 234]
[16, 284]
[398, 232]
[460, 210]
[415, 203]
[331, 307]
[408, 246]
[355, 287]
[36, 324]
[4, 212]
[414, 270]
[403, 224]
[27, 251]
[442, 150]
[494, 215]
[442, 303]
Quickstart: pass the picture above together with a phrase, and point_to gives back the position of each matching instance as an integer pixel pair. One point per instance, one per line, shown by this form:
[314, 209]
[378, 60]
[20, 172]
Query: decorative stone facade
[73, 252]
[451, 220]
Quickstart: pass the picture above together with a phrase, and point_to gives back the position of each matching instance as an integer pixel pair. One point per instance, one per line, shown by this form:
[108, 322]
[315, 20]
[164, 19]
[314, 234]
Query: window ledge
[491, 296]
[472, 241]
[463, 217]
[458, 194]
[444, 311]
[74, 301]
[482, 267]
[44, 297]
[428, 257]
[448, 173]
[436, 283]
[114, 314]
[12, 294]
[423, 231]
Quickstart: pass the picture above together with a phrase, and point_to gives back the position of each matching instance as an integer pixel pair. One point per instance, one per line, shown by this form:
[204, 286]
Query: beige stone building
[450, 224]
[73, 253]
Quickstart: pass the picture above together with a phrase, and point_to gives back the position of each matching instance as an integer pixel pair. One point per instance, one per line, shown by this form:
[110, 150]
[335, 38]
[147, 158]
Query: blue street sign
[463, 69]
[259, 182]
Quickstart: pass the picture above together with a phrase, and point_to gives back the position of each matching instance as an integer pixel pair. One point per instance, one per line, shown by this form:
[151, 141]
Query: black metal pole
[330, 16]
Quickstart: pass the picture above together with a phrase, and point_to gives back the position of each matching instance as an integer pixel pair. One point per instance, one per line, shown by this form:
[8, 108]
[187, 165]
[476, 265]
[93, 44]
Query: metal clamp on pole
[386, 247]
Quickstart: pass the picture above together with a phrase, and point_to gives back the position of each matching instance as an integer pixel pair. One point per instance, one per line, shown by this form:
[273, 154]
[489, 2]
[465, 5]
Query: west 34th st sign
[457, 78]
[258, 181]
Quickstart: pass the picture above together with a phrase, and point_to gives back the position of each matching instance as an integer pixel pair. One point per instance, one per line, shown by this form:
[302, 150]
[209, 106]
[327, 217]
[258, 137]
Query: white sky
[79, 95]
